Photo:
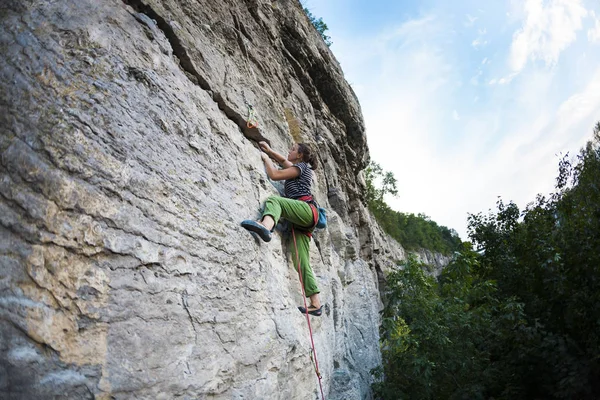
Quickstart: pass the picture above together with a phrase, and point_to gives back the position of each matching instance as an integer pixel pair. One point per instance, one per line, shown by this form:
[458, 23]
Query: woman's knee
[272, 199]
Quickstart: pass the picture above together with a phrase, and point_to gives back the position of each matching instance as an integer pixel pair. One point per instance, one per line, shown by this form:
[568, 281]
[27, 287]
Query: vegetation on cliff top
[319, 25]
[410, 230]
[519, 318]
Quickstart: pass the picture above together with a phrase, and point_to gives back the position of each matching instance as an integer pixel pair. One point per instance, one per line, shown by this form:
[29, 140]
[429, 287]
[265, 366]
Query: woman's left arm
[264, 146]
[278, 174]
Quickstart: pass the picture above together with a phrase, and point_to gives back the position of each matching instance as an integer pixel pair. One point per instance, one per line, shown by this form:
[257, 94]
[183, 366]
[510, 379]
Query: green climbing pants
[300, 215]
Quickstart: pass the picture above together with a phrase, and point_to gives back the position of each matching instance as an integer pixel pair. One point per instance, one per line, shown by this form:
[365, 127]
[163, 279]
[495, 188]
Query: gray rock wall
[126, 167]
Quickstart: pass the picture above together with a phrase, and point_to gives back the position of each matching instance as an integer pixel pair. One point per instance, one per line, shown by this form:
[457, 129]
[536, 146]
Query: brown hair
[307, 155]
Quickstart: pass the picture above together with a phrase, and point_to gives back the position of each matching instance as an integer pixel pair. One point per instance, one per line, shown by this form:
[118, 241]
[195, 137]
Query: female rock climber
[297, 173]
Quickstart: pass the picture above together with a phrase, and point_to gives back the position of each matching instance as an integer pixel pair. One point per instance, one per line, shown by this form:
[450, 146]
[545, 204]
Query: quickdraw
[252, 121]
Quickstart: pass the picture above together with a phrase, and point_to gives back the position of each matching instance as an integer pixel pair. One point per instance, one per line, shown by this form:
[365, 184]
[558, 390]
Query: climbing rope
[312, 342]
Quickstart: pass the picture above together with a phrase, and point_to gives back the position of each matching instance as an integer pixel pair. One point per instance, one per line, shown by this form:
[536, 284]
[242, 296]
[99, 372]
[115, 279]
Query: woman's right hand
[264, 146]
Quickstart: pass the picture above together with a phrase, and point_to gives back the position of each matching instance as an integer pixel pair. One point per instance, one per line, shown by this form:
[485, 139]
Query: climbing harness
[312, 342]
[319, 215]
[252, 121]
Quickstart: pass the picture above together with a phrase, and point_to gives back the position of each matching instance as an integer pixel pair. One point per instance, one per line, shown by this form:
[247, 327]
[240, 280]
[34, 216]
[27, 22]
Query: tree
[440, 339]
[319, 25]
[379, 184]
[548, 256]
[412, 231]
[519, 318]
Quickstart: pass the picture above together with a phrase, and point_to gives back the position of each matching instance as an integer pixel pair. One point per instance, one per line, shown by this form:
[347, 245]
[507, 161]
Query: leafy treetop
[319, 25]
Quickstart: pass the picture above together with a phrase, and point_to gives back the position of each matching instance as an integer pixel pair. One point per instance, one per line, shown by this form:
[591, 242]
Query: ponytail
[307, 155]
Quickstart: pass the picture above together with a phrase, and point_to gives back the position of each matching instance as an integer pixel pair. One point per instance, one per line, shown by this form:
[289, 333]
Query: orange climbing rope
[312, 342]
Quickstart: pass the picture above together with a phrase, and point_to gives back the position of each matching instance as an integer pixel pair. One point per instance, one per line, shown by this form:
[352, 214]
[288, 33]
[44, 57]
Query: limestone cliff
[126, 167]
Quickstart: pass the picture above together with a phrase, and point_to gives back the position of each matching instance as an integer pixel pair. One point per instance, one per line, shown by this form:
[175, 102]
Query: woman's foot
[312, 310]
[258, 228]
[268, 222]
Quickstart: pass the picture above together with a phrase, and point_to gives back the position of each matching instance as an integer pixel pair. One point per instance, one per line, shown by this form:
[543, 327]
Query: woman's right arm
[283, 161]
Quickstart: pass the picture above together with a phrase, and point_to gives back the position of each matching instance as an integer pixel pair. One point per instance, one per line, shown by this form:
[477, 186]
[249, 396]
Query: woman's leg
[299, 214]
[295, 211]
[315, 301]
[308, 277]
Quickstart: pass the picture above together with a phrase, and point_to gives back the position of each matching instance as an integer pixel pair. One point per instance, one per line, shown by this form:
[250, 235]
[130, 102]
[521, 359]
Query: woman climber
[295, 207]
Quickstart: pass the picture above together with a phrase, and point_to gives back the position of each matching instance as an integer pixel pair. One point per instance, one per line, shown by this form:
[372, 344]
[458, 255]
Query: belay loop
[312, 342]
[252, 121]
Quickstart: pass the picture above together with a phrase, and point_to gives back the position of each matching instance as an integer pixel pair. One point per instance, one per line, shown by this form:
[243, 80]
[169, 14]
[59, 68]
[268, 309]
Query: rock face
[126, 168]
[436, 262]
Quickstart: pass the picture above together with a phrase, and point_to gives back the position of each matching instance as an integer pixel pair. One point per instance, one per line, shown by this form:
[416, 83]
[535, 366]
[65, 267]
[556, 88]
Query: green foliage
[438, 337]
[517, 319]
[412, 231]
[549, 257]
[319, 25]
[375, 193]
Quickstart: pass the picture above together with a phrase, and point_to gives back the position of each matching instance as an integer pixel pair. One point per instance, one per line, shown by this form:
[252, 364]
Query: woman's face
[293, 155]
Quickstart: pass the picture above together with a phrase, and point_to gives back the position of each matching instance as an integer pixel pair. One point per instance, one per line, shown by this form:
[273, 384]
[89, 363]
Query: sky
[467, 101]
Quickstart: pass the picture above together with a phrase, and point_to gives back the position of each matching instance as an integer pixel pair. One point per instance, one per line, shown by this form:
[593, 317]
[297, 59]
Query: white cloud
[552, 130]
[470, 20]
[479, 42]
[593, 34]
[410, 30]
[504, 140]
[409, 76]
[579, 106]
[548, 29]
[507, 79]
[475, 79]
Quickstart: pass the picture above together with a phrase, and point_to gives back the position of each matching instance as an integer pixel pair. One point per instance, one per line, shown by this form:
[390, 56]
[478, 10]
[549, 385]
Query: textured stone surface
[435, 261]
[125, 169]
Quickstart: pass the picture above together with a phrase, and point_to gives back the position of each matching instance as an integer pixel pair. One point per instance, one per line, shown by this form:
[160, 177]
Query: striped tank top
[299, 186]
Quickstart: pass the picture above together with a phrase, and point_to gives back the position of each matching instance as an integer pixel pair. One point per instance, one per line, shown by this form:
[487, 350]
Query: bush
[410, 230]
[439, 339]
[319, 25]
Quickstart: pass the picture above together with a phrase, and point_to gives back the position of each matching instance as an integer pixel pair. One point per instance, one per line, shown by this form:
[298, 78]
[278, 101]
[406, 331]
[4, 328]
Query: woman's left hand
[264, 146]
[264, 156]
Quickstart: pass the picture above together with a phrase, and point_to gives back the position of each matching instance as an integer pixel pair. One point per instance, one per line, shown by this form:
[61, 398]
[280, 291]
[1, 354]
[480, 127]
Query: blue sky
[466, 101]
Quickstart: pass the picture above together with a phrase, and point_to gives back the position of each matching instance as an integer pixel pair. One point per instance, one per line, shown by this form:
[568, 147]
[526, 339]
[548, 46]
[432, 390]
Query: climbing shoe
[257, 228]
[312, 310]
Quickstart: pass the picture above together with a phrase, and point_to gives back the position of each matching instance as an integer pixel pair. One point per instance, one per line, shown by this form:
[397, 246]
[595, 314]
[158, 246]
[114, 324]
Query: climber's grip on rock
[265, 147]
[297, 207]
[253, 133]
